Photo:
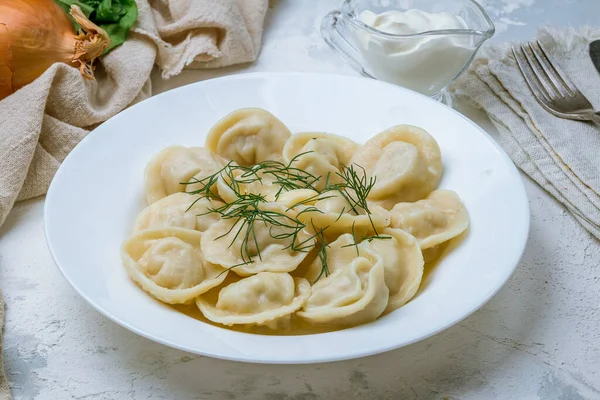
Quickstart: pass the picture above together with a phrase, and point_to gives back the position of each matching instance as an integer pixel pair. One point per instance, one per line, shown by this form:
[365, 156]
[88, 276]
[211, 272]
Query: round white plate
[98, 191]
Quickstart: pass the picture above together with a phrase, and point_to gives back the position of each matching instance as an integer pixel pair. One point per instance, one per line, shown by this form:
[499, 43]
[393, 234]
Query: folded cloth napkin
[43, 121]
[562, 156]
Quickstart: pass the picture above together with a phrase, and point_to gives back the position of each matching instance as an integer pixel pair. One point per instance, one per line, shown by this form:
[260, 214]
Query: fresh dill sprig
[354, 243]
[206, 186]
[321, 252]
[288, 177]
[355, 188]
[248, 209]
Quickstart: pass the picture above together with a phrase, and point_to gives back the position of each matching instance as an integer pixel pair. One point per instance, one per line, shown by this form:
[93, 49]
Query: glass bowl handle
[330, 31]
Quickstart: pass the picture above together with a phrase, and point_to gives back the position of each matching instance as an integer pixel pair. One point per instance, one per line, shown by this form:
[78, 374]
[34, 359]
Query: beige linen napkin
[43, 121]
[562, 156]
[204, 33]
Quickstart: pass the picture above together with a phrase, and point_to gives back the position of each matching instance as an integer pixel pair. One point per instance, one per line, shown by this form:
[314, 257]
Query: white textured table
[538, 338]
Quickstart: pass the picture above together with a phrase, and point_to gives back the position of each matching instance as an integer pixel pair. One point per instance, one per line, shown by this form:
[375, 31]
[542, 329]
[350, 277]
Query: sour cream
[424, 63]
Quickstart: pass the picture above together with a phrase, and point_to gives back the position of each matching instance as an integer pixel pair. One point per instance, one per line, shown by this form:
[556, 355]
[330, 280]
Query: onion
[34, 34]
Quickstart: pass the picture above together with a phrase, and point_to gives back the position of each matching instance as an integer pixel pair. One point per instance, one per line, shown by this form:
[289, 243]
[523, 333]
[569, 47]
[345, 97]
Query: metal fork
[550, 85]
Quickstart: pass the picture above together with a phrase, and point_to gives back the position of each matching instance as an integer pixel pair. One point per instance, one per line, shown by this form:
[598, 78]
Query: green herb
[249, 208]
[287, 176]
[355, 189]
[359, 186]
[246, 212]
[322, 254]
[354, 243]
[116, 17]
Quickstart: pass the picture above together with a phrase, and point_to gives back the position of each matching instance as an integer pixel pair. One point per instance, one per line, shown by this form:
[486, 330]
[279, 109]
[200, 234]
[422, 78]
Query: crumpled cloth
[43, 121]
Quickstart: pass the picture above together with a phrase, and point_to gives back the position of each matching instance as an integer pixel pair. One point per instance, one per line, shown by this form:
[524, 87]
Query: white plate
[98, 190]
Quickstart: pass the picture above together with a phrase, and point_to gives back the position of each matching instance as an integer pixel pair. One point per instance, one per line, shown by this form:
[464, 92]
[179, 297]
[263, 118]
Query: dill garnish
[354, 242]
[321, 253]
[250, 209]
[289, 177]
[355, 188]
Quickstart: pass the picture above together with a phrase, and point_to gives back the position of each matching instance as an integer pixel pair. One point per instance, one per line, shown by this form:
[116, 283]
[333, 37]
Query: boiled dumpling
[432, 255]
[403, 264]
[401, 256]
[298, 197]
[406, 162]
[248, 136]
[178, 210]
[354, 292]
[247, 182]
[168, 264]
[266, 298]
[271, 182]
[173, 169]
[230, 243]
[434, 220]
[308, 269]
[322, 155]
[337, 213]
[342, 249]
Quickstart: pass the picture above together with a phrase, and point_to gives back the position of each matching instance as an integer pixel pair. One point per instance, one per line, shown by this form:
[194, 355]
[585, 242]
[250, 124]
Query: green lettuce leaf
[116, 17]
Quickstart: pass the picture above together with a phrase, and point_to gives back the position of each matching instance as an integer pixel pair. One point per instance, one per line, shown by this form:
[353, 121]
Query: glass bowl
[427, 61]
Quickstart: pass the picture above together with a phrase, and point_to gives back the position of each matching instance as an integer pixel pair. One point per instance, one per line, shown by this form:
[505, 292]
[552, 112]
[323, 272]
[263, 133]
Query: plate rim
[520, 188]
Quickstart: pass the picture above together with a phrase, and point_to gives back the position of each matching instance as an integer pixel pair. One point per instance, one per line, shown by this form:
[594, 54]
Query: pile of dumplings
[345, 269]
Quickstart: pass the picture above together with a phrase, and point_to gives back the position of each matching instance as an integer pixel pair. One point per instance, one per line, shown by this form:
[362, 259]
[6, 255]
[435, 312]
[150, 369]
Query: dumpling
[434, 220]
[169, 170]
[231, 243]
[355, 291]
[168, 264]
[267, 298]
[320, 154]
[272, 180]
[406, 162]
[338, 213]
[399, 252]
[432, 255]
[178, 210]
[248, 136]
[308, 269]
[242, 182]
[340, 250]
[298, 197]
[403, 264]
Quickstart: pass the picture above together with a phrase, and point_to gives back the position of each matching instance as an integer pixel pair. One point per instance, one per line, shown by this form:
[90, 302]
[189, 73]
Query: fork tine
[540, 75]
[530, 79]
[561, 75]
[557, 82]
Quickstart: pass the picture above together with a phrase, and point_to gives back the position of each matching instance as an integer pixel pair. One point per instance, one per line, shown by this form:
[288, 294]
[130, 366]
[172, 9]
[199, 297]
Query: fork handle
[595, 117]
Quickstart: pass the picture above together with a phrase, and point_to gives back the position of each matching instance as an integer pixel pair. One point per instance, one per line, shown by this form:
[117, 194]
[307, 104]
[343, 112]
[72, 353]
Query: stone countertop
[538, 338]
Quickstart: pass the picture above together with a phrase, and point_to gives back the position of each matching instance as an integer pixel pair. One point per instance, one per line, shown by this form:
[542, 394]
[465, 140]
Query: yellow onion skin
[34, 34]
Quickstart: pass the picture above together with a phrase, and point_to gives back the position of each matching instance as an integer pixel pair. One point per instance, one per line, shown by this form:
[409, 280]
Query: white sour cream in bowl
[424, 63]
[421, 49]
